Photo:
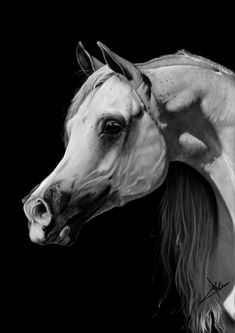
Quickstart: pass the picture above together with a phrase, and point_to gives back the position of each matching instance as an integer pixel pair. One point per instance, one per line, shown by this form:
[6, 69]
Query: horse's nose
[51, 203]
[39, 215]
[41, 212]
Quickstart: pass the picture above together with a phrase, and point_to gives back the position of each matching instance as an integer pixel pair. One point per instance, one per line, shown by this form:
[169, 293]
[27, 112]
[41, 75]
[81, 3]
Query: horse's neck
[197, 117]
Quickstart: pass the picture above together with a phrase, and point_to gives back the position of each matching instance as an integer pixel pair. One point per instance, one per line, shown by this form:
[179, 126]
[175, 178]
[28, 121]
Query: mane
[183, 57]
[189, 230]
[92, 82]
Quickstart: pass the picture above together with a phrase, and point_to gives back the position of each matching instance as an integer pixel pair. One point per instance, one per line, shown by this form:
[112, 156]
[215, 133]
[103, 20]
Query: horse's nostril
[41, 212]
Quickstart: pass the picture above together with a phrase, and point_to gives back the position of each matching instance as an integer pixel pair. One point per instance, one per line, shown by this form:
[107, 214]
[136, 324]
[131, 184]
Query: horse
[127, 124]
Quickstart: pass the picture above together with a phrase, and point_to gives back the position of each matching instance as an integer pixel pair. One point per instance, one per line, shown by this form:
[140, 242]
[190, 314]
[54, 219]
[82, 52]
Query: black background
[105, 279]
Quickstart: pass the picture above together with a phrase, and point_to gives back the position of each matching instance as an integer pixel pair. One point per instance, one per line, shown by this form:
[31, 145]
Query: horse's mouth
[65, 231]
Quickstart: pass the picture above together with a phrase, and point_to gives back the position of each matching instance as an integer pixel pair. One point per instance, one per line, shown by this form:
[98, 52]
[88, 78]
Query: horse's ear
[86, 61]
[120, 65]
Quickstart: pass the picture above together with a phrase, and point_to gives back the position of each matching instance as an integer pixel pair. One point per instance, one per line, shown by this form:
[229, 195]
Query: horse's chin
[65, 229]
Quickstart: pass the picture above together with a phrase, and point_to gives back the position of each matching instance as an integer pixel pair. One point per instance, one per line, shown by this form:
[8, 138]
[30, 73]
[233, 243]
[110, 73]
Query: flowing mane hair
[189, 231]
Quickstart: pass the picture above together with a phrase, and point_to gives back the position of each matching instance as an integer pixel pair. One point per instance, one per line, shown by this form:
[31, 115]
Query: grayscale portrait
[149, 145]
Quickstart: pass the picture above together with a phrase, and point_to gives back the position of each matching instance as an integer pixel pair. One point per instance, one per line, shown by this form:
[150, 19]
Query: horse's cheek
[153, 150]
[144, 168]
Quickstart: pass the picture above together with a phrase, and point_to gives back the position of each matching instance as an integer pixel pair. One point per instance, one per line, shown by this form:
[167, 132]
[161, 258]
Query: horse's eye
[112, 128]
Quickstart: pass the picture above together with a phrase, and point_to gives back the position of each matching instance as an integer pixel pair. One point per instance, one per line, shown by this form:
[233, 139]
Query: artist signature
[215, 288]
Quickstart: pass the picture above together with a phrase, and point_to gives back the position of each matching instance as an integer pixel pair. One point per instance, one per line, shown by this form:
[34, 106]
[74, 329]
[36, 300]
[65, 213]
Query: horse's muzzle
[44, 219]
[57, 218]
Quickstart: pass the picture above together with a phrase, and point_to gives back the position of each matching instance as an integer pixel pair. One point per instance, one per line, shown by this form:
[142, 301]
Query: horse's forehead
[113, 93]
[113, 96]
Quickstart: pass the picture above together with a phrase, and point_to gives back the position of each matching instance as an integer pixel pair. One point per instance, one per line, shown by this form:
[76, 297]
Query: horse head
[115, 151]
